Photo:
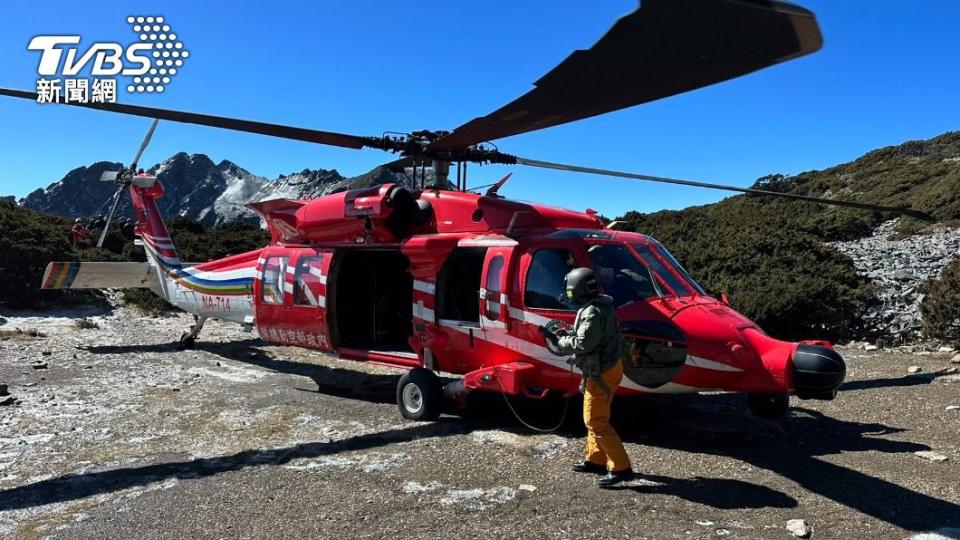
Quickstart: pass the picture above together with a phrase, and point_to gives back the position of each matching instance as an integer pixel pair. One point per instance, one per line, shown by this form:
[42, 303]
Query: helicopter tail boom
[220, 289]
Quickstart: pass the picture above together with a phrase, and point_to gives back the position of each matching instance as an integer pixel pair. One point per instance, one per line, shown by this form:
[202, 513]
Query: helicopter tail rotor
[123, 178]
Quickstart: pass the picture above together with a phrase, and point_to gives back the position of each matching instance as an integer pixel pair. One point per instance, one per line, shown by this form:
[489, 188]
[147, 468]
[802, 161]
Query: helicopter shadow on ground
[915, 379]
[72, 487]
[127, 349]
[338, 382]
[331, 381]
[793, 448]
[722, 493]
[87, 309]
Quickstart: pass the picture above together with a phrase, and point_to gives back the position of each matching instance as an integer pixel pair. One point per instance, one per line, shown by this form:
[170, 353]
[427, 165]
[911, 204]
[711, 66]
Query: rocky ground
[111, 432]
[899, 267]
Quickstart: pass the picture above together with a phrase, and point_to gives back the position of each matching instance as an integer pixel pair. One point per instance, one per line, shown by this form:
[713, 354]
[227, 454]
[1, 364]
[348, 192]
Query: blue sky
[887, 73]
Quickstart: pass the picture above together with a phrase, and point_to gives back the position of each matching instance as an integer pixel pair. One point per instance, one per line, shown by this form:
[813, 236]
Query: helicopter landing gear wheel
[768, 406]
[188, 339]
[420, 395]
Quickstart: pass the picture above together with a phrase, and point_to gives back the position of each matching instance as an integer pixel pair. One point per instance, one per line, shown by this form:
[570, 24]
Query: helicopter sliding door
[495, 303]
[292, 298]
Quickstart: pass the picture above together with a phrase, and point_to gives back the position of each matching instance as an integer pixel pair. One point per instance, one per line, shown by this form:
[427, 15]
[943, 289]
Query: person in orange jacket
[80, 233]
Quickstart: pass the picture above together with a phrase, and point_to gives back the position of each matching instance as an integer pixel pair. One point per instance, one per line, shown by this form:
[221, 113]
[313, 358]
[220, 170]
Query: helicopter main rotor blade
[634, 176]
[113, 209]
[249, 126]
[664, 48]
[143, 146]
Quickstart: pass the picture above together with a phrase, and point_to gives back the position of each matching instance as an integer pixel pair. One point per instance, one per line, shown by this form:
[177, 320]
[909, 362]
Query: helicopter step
[507, 379]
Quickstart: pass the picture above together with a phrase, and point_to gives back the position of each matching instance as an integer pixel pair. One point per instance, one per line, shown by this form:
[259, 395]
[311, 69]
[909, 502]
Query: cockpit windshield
[668, 270]
[666, 255]
[620, 274]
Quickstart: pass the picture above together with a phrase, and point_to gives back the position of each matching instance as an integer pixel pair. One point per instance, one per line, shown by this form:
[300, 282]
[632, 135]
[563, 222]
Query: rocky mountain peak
[196, 188]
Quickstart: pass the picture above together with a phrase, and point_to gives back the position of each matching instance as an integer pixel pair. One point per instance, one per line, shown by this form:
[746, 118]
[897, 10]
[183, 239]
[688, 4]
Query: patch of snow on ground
[417, 487]
[382, 463]
[550, 447]
[478, 499]
[231, 373]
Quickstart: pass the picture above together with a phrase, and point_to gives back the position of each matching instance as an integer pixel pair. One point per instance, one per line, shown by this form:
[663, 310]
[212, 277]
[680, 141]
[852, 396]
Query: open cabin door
[291, 297]
[461, 346]
[495, 302]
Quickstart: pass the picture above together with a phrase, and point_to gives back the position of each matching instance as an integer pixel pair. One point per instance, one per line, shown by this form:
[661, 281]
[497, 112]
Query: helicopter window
[667, 256]
[308, 282]
[620, 274]
[544, 286]
[273, 272]
[662, 272]
[494, 276]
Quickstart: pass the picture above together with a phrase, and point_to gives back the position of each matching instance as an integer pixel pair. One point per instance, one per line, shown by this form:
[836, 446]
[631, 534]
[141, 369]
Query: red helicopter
[435, 278]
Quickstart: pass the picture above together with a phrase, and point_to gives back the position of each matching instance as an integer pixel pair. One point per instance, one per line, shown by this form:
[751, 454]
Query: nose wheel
[768, 406]
[420, 395]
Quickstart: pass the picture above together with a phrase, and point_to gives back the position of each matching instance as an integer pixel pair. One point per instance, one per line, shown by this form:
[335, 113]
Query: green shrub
[30, 240]
[148, 302]
[940, 307]
[85, 324]
[196, 244]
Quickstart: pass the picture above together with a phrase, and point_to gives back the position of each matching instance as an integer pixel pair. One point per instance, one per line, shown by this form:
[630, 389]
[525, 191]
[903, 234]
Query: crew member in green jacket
[594, 345]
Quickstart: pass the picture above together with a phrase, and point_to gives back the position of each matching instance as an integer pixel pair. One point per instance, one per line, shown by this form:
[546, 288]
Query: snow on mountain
[241, 188]
[198, 189]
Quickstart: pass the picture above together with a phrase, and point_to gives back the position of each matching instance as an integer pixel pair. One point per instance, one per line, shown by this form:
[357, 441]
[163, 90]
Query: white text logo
[151, 62]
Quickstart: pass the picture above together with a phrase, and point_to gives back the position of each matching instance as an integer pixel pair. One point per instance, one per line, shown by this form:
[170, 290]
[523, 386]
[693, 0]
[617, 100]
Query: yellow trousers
[603, 444]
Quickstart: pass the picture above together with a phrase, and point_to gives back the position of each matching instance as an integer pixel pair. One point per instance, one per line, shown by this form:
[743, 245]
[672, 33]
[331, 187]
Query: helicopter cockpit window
[544, 286]
[273, 272]
[308, 281]
[662, 272]
[678, 267]
[620, 274]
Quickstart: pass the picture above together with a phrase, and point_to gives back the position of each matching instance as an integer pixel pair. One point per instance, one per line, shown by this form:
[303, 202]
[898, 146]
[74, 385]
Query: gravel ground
[115, 433]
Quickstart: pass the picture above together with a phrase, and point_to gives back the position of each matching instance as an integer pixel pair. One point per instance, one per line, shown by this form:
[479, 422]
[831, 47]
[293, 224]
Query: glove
[548, 335]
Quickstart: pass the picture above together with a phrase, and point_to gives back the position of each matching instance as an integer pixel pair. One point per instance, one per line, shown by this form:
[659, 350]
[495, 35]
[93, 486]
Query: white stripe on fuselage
[539, 352]
[422, 312]
[315, 272]
[424, 287]
[238, 273]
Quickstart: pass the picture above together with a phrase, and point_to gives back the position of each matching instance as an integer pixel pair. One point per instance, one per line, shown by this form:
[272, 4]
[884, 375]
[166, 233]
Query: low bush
[940, 307]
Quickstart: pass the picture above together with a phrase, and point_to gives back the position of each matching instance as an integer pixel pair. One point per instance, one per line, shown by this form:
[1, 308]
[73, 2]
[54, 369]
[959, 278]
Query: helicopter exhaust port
[818, 372]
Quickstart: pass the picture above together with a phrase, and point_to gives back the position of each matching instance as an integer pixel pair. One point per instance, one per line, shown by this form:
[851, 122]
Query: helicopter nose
[817, 372]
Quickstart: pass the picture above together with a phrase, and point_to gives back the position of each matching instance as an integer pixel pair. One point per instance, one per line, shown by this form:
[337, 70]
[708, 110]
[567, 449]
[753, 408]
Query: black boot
[589, 467]
[613, 478]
